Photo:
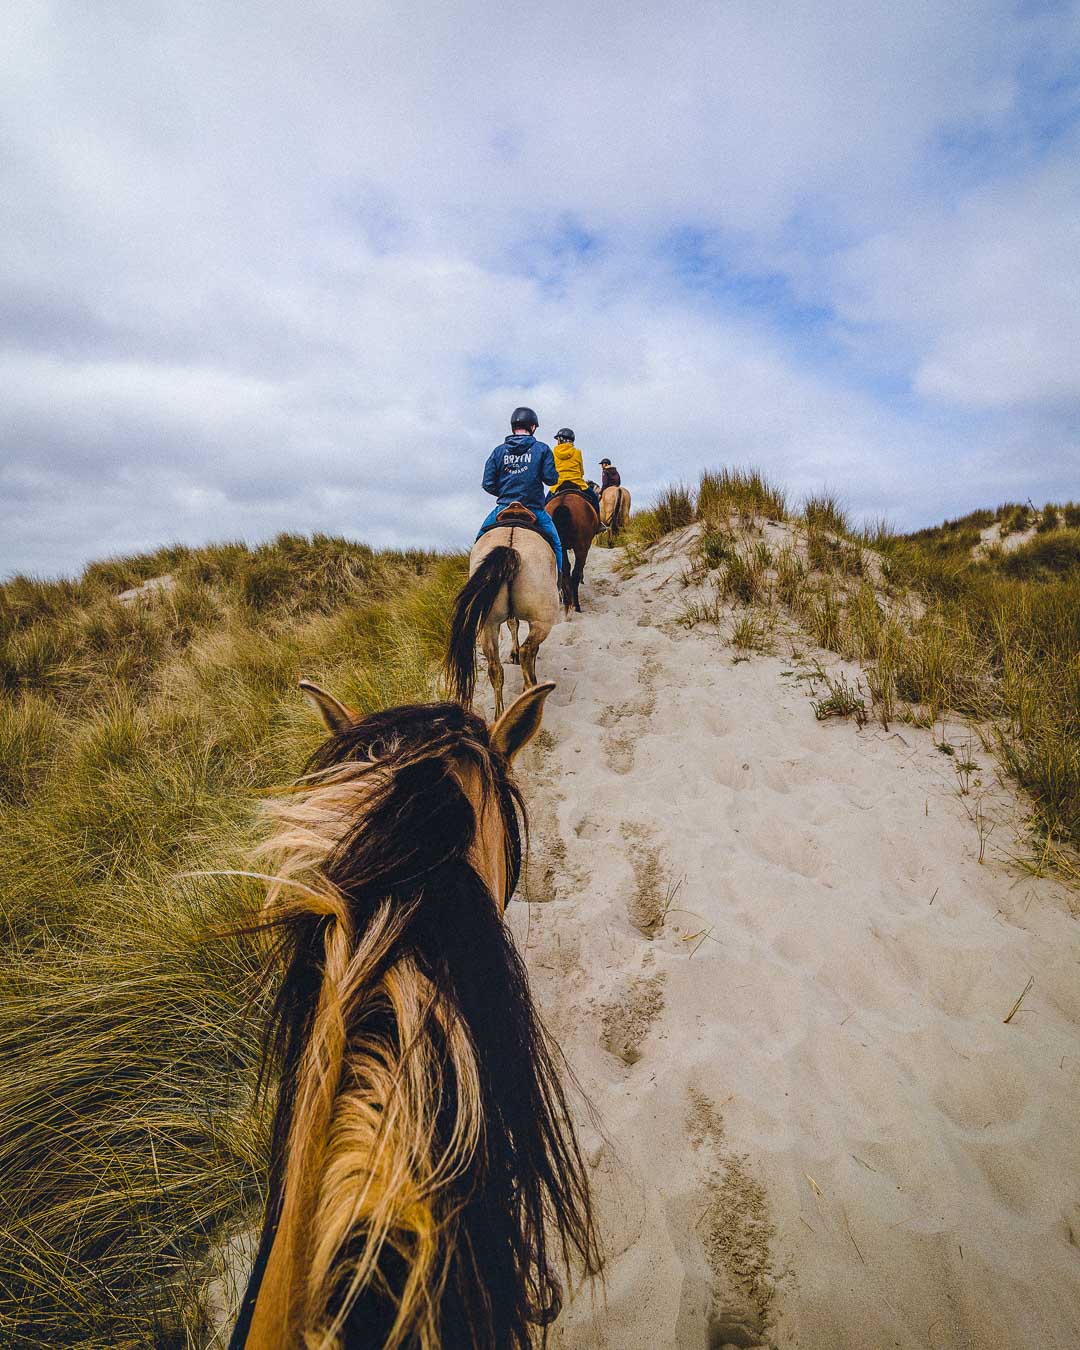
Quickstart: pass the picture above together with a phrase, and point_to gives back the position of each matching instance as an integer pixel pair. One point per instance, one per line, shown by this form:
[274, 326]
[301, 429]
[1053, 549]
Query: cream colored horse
[614, 510]
[511, 577]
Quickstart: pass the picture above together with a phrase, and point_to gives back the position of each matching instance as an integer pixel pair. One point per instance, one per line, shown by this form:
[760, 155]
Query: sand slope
[780, 973]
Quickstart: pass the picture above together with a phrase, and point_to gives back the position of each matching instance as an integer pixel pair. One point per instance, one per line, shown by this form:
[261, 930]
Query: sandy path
[819, 1131]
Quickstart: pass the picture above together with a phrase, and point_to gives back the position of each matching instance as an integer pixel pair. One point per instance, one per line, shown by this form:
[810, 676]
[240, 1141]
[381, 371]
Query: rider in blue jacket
[517, 471]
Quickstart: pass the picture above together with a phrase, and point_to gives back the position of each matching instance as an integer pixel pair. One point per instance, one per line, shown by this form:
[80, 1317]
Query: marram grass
[939, 622]
[134, 744]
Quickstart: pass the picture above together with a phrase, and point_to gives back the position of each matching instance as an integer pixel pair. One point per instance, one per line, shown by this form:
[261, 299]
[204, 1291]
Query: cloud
[272, 268]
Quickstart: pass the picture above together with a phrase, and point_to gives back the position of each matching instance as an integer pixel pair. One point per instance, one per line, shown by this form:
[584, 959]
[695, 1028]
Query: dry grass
[747, 492]
[133, 744]
[937, 625]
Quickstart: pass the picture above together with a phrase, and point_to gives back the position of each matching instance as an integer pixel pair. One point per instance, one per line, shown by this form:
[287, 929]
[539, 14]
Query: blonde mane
[400, 1142]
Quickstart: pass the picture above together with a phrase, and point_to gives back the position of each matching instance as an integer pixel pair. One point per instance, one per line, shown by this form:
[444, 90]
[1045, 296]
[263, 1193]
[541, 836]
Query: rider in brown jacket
[611, 475]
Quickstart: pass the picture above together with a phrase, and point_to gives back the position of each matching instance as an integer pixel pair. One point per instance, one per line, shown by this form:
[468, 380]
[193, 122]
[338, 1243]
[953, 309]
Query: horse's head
[422, 1144]
[433, 739]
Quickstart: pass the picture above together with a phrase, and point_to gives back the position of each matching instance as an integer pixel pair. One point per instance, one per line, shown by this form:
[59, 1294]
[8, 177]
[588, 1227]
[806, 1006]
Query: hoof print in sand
[626, 1023]
[737, 1233]
[619, 752]
[731, 1325]
[649, 902]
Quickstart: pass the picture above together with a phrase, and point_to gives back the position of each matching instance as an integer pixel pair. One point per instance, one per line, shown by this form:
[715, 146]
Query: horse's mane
[423, 1152]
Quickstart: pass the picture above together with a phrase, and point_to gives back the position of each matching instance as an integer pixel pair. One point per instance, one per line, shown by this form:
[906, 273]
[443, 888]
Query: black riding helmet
[523, 418]
[565, 434]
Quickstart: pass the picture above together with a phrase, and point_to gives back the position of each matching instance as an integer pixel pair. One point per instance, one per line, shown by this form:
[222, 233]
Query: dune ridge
[780, 971]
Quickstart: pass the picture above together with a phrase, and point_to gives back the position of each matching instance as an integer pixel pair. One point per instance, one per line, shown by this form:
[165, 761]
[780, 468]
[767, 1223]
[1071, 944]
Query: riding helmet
[605, 461]
[565, 434]
[523, 417]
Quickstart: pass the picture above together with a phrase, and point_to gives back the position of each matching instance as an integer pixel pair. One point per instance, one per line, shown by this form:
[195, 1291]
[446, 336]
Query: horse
[577, 524]
[426, 1182]
[614, 511]
[512, 576]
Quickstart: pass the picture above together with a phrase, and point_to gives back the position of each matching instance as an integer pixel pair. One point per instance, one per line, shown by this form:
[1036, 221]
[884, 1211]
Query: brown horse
[422, 1158]
[614, 511]
[577, 524]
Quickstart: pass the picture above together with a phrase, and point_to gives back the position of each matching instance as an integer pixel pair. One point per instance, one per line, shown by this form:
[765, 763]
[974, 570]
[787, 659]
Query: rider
[610, 475]
[571, 468]
[516, 471]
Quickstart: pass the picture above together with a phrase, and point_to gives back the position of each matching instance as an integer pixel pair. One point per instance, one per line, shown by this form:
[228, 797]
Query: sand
[773, 959]
[991, 540]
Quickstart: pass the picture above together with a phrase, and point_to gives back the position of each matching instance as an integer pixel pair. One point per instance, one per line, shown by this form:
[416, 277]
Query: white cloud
[289, 268]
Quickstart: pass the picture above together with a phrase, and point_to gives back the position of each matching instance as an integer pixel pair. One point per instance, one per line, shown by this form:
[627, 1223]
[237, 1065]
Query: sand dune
[780, 972]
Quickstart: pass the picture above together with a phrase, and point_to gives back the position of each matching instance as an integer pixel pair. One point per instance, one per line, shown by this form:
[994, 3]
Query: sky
[271, 266]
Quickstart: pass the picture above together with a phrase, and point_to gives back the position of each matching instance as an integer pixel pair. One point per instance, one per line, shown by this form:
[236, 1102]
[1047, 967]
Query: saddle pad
[572, 490]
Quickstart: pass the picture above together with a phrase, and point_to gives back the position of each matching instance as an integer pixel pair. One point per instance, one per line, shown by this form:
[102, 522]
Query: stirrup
[516, 514]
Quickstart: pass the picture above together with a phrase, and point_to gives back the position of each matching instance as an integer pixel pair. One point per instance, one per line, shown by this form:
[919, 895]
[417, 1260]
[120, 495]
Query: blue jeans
[545, 525]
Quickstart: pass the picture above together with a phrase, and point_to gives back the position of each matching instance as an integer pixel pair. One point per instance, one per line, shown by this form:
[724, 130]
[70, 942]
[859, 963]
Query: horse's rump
[614, 507]
[472, 607]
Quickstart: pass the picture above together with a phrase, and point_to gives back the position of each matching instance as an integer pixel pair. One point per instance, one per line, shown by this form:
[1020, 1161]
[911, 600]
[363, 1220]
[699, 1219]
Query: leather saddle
[516, 514]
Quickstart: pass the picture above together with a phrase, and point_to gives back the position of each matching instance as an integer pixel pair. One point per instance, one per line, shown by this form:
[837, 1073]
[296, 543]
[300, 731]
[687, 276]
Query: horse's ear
[521, 721]
[335, 716]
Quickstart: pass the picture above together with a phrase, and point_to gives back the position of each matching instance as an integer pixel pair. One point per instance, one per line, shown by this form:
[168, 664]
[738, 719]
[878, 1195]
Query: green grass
[134, 744]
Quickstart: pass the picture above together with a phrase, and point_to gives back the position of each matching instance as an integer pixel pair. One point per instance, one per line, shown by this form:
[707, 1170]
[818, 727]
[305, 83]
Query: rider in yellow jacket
[571, 466]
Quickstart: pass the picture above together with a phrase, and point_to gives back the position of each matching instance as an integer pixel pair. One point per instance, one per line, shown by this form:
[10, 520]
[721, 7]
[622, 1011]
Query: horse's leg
[515, 640]
[489, 642]
[578, 574]
[538, 631]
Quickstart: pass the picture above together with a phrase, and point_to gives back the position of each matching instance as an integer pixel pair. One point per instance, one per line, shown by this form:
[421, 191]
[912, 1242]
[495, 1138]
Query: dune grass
[134, 743]
[938, 624]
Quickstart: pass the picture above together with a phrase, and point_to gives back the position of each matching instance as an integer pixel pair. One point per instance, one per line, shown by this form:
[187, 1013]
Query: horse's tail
[422, 1138]
[471, 609]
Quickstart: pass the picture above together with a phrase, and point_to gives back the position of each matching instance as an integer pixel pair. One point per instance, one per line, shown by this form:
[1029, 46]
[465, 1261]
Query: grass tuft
[823, 511]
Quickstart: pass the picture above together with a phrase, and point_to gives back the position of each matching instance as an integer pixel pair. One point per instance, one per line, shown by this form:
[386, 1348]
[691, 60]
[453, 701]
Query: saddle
[517, 515]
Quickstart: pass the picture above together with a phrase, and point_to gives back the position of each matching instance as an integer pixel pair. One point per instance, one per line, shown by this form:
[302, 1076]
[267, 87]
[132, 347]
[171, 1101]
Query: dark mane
[407, 855]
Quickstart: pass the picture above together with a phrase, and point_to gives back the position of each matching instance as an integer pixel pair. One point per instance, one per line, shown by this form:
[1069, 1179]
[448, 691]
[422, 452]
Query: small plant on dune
[713, 548]
[840, 700]
[790, 578]
[702, 612]
[753, 632]
[823, 511]
[827, 553]
[723, 492]
[824, 616]
[1049, 520]
[744, 578]
[642, 531]
[877, 534]
[674, 508]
